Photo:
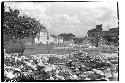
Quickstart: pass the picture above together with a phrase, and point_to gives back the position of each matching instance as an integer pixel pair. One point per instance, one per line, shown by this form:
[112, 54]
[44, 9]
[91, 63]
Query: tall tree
[95, 35]
[16, 26]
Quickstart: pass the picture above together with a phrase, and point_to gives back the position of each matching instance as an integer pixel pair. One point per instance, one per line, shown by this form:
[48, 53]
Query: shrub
[14, 47]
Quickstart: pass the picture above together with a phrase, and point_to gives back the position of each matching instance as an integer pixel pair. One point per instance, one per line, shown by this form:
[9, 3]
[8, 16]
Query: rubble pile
[103, 66]
[83, 66]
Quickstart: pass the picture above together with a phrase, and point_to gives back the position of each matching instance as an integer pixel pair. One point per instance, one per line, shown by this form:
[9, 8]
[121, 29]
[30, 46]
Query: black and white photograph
[58, 41]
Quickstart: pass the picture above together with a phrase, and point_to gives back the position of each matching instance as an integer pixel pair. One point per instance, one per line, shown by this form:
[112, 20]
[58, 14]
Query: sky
[70, 17]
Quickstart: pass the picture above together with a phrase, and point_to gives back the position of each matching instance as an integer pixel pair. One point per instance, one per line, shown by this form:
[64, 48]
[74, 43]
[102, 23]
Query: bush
[14, 47]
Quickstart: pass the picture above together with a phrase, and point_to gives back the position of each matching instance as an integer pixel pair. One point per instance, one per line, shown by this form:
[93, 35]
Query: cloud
[33, 9]
[36, 10]
[63, 23]
[99, 15]
[26, 7]
[75, 17]
[107, 18]
[65, 19]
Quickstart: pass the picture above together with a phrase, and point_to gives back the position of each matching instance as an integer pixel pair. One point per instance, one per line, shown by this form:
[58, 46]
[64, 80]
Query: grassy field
[52, 49]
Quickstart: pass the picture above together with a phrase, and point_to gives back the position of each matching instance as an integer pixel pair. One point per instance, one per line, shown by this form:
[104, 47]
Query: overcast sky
[70, 17]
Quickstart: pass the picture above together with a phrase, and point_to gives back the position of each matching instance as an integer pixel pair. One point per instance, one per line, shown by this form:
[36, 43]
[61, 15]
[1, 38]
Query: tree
[111, 36]
[78, 40]
[95, 35]
[67, 37]
[16, 26]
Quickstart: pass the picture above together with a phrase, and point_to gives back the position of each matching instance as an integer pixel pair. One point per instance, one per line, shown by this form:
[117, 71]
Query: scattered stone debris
[82, 66]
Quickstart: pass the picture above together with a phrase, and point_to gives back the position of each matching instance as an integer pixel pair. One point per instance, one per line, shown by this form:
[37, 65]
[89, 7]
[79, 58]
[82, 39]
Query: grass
[14, 47]
[48, 49]
[32, 49]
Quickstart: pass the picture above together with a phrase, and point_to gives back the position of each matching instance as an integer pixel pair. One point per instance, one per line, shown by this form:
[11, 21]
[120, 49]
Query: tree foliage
[95, 35]
[66, 36]
[16, 26]
[78, 40]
